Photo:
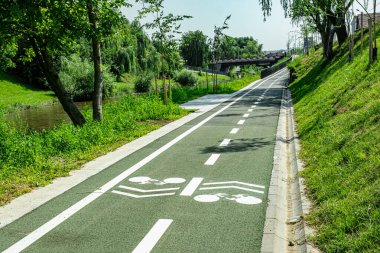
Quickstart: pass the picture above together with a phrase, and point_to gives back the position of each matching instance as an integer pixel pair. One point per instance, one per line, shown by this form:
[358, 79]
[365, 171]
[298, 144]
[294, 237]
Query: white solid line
[142, 196]
[234, 130]
[153, 236]
[241, 122]
[235, 182]
[54, 222]
[144, 191]
[246, 115]
[250, 110]
[213, 158]
[256, 103]
[225, 143]
[230, 187]
[192, 186]
[253, 106]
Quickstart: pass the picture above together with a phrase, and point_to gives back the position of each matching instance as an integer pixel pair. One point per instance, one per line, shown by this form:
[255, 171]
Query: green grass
[27, 157]
[14, 93]
[337, 107]
[184, 94]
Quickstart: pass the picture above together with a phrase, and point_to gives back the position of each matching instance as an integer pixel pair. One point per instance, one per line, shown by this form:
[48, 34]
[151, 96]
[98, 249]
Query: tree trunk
[170, 88]
[341, 34]
[163, 81]
[98, 80]
[327, 43]
[156, 84]
[207, 81]
[56, 85]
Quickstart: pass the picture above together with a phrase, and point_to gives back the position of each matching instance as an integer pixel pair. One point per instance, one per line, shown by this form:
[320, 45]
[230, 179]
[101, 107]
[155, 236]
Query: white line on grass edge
[54, 222]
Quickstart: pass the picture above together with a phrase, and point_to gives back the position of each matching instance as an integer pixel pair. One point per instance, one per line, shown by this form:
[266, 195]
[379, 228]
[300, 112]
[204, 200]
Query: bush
[143, 83]
[186, 78]
[77, 76]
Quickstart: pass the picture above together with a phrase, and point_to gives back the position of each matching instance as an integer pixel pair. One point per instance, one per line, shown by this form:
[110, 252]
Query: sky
[246, 19]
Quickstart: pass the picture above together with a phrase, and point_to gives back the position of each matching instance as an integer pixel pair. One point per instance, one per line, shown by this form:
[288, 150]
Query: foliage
[337, 109]
[194, 49]
[78, 77]
[186, 78]
[27, 157]
[143, 82]
[241, 47]
[182, 94]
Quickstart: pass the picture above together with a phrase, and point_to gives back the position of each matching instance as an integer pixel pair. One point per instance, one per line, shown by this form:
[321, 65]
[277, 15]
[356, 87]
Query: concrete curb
[285, 229]
[32, 200]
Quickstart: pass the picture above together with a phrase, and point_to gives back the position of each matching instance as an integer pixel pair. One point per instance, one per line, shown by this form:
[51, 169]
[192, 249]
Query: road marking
[230, 187]
[246, 115]
[250, 110]
[234, 131]
[253, 106]
[144, 191]
[241, 122]
[153, 236]
[225, 143]
[192, 186]
[256, 103]
[235, 182]
[143, 196]
[57, 220]
[213, 158]
[259, 99]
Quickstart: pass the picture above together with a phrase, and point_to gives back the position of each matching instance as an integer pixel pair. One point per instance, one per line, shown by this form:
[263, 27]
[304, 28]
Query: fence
[268, 71]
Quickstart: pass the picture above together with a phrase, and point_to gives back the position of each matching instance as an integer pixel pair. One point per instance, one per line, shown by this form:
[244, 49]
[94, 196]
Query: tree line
[57, 43]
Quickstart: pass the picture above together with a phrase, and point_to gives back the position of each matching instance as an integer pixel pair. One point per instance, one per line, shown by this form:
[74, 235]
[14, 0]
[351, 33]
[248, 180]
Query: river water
[47, 116]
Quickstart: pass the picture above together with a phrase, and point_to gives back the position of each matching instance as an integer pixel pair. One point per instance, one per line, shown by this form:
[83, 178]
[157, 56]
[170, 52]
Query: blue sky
[246, 20]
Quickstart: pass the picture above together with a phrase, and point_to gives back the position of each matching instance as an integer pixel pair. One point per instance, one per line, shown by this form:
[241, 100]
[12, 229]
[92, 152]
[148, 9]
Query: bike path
[191, 206]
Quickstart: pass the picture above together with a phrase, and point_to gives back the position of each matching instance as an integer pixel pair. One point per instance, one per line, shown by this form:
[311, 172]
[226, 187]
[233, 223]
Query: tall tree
[194, 49]
[46, 25]
[165, 27]
[215, 45]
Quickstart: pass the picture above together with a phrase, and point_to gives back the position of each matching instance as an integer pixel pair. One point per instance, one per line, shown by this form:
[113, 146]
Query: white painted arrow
[143, 196]
[144, 191]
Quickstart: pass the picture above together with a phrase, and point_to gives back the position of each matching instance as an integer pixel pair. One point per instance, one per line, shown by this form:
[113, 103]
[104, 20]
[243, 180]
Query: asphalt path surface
[201, 188]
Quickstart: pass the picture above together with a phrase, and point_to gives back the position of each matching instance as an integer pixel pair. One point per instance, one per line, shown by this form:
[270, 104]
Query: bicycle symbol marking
[195, 184]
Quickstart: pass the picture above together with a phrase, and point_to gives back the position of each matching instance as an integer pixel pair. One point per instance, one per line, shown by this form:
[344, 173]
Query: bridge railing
[268, 71]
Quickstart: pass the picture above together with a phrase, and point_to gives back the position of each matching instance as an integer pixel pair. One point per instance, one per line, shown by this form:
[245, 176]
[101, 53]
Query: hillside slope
[14, 93]
[337, 106]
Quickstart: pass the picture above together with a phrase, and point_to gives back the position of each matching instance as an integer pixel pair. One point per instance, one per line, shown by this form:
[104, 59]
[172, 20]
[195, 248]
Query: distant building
[365, 19]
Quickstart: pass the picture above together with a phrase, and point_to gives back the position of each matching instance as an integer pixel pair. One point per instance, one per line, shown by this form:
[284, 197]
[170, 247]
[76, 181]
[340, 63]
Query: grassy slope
[14, 93]
[337, 109]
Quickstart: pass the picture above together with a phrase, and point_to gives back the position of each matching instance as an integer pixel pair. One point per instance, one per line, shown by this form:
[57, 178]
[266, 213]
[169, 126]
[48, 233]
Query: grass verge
[337, 107]
[28, 157]
[13, 93]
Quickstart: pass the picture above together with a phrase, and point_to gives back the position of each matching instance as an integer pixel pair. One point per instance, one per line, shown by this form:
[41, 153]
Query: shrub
[186, 78]
[143, 83]
[77, 76]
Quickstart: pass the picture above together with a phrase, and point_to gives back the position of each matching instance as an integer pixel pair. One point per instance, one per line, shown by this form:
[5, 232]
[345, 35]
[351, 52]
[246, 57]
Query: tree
[46, 26]
[215, 45]
[194, 49]
[165, 27]
[104, 18]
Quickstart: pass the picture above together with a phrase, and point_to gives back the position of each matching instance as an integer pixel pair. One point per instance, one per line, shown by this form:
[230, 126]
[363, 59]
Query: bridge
[224, 65]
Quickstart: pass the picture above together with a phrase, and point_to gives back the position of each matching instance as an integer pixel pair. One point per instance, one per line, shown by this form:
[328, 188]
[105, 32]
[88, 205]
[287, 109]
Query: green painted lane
[211, 208]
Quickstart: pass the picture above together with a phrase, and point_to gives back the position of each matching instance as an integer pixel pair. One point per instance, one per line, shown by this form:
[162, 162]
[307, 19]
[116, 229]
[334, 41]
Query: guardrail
[268, 71]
